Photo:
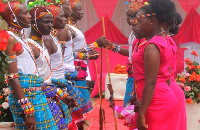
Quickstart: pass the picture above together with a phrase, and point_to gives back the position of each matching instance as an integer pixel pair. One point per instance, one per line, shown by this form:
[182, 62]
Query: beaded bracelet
[62, 42]
[91, 46]
[115, 48]
[11, 76]
[21, 101]
[27, 107]
[83, 56]
[12, 60]
[62, 95]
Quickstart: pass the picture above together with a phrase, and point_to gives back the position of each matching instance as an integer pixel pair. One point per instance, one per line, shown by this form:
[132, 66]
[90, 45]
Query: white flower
[5, 105]
[6, 91]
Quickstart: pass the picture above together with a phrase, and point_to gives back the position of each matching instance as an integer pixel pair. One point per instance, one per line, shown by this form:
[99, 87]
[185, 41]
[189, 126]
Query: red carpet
[93, 116]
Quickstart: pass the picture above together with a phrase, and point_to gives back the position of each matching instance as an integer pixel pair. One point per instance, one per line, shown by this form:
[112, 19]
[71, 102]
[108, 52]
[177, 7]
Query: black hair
[177, 21]
[134, 14]
[164, 9]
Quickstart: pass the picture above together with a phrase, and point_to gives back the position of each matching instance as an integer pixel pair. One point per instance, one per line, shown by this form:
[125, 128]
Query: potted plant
[190, 83]
[5, 113]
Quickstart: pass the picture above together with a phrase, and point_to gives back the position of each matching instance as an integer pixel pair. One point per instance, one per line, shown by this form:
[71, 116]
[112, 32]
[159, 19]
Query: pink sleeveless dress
[161, 113]
[181, 122]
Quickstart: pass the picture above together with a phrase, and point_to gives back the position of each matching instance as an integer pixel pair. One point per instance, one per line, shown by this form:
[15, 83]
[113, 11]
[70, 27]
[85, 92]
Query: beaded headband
[133, 21]
[146, 15]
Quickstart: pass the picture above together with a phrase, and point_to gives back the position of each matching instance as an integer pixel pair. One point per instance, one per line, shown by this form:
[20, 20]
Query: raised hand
[101, 41]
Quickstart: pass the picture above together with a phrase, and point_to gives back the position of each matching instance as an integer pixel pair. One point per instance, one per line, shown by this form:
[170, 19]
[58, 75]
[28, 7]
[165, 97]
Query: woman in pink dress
[152, 61]
[181, 120]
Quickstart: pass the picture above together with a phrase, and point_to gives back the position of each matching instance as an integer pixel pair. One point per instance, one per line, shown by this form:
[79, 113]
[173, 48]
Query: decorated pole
[110, 84]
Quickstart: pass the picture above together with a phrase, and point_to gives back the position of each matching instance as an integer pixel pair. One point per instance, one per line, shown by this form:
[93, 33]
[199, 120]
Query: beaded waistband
[30, 89]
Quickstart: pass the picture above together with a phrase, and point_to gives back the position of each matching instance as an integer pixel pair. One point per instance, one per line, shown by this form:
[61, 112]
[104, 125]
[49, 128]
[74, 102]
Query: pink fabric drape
[112, 33]
[105, 7]
[188, 4]
[190, 29]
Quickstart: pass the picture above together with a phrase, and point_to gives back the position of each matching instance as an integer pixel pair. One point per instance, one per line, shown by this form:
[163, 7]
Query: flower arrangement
[120, 69]
[190, 81]
[127, 114]
[5, 113]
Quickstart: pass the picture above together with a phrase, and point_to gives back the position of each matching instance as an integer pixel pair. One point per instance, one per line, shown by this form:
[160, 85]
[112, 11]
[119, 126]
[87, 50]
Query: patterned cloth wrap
[81, 67]
[86, 104]
[71, 75]
[50, 93]
[73, 91]
[62, 85]
[129, 84]
[129, 91]
[129, 69]
[43, 116]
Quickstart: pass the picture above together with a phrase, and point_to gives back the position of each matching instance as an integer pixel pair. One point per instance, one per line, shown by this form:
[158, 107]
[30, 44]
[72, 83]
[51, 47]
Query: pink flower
[187, 74]
[187, 88]
[182, 85]
[6, 91]
[5, 105]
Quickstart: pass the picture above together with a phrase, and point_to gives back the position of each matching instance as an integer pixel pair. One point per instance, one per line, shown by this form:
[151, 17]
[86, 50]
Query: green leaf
[57, 1]
[5, 114]
[191, 95]
[46, 3]
[195, 89]
[195, 63]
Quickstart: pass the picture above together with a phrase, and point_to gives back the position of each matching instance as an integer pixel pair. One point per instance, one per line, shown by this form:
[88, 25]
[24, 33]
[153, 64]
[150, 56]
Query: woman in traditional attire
[131, 13]
[26, 95]
[152, 62]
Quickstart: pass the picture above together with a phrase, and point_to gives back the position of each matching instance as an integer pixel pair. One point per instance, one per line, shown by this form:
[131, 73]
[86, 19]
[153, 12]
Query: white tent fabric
[179, 9]
[119, 18]
[90, 17]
